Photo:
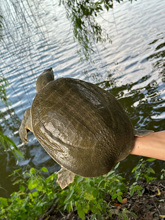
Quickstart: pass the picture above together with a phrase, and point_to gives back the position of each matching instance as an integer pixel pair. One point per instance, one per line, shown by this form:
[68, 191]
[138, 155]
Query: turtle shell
[81, 126]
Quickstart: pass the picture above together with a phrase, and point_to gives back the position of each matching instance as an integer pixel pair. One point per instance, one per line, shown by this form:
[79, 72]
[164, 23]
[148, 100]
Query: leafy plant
[8, 144]
[162, 177]
[92, 196]
[125, 215]
[36, 193]
[142, 172]
[89, 194]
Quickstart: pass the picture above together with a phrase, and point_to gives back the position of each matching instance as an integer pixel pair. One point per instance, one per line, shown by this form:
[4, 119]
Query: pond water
[131, 66]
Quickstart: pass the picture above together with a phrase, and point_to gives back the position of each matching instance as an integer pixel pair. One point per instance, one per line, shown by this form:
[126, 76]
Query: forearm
[152, 145]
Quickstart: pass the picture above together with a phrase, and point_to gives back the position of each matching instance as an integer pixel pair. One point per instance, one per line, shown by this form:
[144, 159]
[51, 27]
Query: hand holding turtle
[152, 145]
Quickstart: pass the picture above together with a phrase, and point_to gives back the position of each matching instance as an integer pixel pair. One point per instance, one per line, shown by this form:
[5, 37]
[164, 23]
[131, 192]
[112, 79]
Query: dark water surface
[132, 68]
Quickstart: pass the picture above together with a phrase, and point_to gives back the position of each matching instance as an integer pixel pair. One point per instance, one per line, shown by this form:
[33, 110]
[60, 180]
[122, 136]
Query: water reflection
[157, 58]
[144, 102]
[1, 26]
[86, 28]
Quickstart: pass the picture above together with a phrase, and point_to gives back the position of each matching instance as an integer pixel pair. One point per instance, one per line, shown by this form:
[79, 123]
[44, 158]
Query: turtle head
[44, 78]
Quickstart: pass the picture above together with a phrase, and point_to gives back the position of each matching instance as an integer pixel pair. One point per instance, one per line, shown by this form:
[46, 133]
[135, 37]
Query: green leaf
[15, 171]
[114, 196]
[80, 178]
[3, 202]
[44, 169]
[3, 139]
[117, 165]
[69, 195]
[33, 170]
[32, 184]
[150, 170]
[22, 188]
[35, 194]
[119, 193]
[50, 178]
[69, 206]
[131, 190]
[93, 217]
[80, 212]
[133, 170]
[39, 187]
[133, 215]
[89, 196]
[96, 209]
[137, 188]
[19, 153]
[119, 198]
[151, 159]
[101, 183]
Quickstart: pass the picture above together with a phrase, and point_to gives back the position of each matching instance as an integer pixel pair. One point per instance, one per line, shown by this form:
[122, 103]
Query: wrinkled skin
[81, 126]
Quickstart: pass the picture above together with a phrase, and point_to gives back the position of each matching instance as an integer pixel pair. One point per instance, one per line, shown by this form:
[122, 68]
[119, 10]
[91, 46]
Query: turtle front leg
[65, 177]
[26, 125]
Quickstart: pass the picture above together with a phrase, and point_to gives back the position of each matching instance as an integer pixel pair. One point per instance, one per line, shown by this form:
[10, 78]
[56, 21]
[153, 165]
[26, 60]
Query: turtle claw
[65, 177]
[23, 134]
[26, 125]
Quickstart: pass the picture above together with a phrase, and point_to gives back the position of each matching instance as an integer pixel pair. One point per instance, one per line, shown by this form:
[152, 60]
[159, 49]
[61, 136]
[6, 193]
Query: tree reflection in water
[82, 14]
[86, 29]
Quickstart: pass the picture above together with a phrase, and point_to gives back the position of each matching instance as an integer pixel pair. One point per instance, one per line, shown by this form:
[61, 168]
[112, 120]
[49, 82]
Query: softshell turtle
[81, 126]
